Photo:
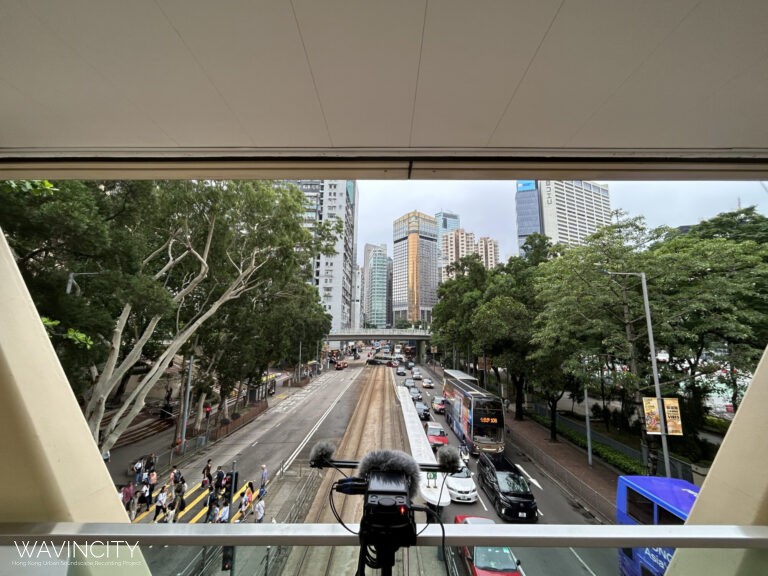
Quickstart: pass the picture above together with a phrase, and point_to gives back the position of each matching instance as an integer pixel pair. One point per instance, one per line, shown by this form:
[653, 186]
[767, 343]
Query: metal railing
[268, 534]
[591, 500]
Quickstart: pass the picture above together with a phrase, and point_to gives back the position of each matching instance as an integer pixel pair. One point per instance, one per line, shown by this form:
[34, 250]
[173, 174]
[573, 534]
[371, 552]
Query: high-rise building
[460, 243]
[334, 275]
[488, 250]
[566, 211]
[357, 298]
[375, 282]
[446, 222]
[414, 274]
[456, 245]
[390, 315]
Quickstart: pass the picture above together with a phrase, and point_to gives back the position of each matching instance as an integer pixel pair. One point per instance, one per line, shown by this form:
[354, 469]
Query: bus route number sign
[489, 420]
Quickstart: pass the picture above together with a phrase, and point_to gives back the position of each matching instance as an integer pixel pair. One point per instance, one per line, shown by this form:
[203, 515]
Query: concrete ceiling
[396, 88]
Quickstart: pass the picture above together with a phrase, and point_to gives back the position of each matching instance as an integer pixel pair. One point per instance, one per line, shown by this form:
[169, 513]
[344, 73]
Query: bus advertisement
[651, 500]
[474, 414]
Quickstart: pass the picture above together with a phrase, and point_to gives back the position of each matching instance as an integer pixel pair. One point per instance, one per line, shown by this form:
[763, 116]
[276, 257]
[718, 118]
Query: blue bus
[474, 414]
[651, 500]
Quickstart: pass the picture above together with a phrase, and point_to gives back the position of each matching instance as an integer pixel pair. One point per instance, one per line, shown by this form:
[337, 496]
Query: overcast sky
[487, 208]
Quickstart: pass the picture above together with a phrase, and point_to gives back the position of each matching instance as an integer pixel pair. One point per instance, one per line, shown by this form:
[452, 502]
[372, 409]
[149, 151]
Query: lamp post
[652, 348]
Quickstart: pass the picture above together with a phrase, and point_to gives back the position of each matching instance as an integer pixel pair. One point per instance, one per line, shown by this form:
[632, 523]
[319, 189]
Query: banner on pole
[672, 412]
[652, 416]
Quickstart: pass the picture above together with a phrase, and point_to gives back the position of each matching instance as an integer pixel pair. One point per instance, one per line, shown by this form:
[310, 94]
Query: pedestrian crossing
[196, 510]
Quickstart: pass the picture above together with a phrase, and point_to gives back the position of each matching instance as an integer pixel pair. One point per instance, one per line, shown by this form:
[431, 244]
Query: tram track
[375, 424]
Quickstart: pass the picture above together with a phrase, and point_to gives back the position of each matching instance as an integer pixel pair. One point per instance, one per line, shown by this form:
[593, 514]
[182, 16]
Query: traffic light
[228, 558]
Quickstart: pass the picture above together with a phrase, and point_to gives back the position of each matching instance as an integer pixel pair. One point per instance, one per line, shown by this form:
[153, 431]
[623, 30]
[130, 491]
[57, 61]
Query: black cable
[336, 512]
[442, 529]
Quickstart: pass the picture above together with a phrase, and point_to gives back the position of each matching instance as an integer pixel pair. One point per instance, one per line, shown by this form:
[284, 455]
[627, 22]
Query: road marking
[309, 435]
[254, 444]
[587, 568]
[530, 478]
[481, 501]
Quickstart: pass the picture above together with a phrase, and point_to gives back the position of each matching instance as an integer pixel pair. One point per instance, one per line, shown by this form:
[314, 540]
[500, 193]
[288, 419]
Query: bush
[608, 455]
[716, 425]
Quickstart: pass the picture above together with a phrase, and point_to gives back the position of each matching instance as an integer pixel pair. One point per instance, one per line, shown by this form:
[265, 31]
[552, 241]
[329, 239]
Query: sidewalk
[123, 457]
[595, 486]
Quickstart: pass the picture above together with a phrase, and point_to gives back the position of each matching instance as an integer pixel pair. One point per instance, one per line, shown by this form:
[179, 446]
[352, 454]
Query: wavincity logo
[45, 552]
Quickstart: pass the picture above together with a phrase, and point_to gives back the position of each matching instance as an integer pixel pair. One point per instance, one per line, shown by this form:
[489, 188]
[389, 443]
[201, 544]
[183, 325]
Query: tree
[168, 256]
[458, 299]
[709, 311]
[222, 240]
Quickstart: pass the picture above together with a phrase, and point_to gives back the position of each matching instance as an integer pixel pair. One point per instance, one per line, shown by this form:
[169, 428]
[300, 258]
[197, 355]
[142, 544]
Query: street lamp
[652, 347]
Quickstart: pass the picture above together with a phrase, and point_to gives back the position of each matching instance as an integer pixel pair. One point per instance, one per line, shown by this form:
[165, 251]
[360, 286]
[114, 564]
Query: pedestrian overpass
[505, 90]
[353, 334]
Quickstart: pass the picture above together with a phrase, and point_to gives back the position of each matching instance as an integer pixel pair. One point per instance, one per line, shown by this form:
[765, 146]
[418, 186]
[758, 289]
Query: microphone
[321, 454]
[392, 461]
[448, 459]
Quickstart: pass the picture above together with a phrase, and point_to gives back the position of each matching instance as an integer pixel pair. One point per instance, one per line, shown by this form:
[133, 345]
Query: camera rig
[388, 479]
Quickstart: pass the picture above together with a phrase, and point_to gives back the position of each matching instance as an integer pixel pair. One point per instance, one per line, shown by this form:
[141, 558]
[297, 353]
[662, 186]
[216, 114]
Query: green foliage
[717, 425]
[86, 249]
[75, 336]
[620, 461]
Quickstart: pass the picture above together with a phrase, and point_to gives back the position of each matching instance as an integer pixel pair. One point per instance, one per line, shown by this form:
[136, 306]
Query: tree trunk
[552, 419]
[239, 395]
[519, 382]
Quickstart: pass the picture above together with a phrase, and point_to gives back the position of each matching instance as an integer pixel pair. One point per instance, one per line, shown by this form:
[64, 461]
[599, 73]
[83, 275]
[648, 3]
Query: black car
[507, 488]
[422, 410]
[415, 394]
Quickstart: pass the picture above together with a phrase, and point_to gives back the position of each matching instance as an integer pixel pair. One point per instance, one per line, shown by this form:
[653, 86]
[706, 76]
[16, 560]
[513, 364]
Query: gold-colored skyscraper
[415, 267]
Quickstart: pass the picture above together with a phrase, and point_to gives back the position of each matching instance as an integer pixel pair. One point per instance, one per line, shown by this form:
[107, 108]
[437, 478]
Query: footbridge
[350, 334]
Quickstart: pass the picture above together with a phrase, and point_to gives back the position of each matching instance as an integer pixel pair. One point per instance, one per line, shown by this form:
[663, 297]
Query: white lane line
[309, 435]
[587, 568]
[479, 499]
[254, 444]
[530, 478]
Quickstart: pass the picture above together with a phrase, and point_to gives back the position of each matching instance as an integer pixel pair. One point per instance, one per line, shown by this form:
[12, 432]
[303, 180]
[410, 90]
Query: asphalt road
[555, 507]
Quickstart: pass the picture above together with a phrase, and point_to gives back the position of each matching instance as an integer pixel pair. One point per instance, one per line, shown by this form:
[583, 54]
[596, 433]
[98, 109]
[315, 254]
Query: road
[321, 411]
[555, 507]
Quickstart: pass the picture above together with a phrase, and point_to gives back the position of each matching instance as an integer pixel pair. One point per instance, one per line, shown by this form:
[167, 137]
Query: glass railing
[273, 549]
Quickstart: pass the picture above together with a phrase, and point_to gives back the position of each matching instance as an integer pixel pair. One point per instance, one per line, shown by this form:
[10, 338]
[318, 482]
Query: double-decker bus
[651, 500]
[474, 414]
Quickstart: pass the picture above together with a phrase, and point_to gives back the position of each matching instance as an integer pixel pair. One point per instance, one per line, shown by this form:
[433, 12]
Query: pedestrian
[152, 481]
[213, 515]
[260, 511]
[207, 476]
[175, 476]
[250, 491]
[126, 495]
[211, 505]
[181, 487]
[264, 476]
[218, 481]
[150, 463]
[144, 496]
[223, 516]
[161, 503]
[137, 470]
[245, 504]
[170, 516]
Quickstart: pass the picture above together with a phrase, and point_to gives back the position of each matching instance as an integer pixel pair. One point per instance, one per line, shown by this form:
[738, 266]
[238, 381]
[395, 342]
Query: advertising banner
[672, 412]
[652, 416]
